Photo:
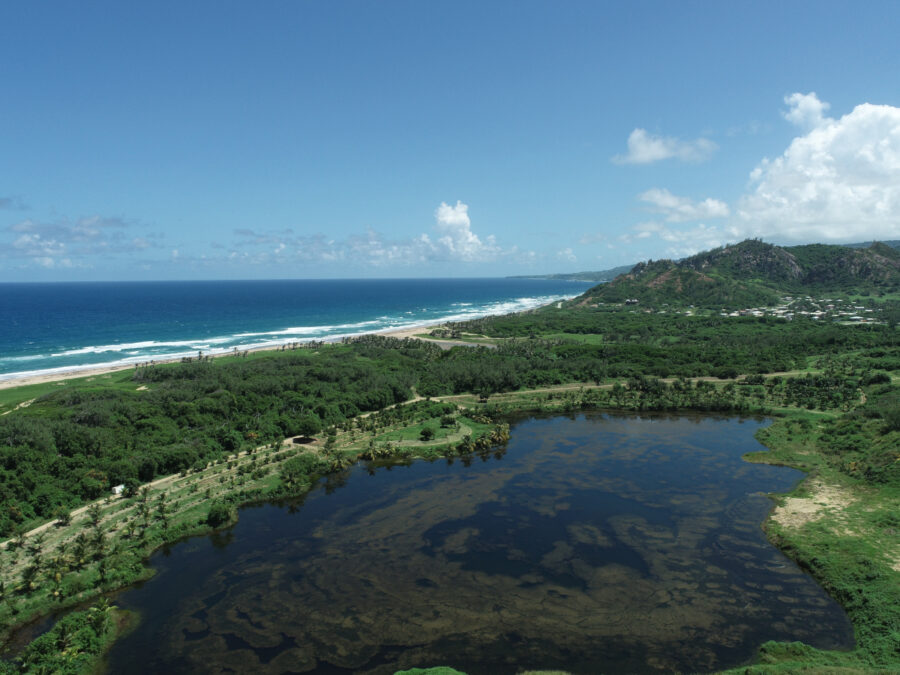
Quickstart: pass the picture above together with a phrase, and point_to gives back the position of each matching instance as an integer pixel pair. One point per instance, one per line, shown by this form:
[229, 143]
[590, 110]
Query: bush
[219, 514]
[877, 377]
[892, 419]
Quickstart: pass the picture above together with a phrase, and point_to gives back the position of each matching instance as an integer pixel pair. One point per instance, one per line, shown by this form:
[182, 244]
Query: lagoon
[594, 543]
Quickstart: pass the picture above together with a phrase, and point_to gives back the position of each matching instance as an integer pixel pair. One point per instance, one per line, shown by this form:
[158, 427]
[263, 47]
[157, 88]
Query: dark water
[65, 326]
[594, 544]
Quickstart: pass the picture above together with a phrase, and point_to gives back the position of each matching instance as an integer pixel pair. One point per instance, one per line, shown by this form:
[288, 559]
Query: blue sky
[205, 140]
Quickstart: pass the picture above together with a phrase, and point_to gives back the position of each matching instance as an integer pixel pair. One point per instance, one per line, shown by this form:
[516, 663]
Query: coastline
[75, 372]
[839, 561]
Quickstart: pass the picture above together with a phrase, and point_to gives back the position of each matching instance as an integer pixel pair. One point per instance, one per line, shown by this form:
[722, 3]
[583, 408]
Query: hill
[754, 273]
[893, 243]
[599, 276]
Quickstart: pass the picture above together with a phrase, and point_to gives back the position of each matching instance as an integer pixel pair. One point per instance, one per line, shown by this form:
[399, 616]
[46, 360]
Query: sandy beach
[399, 333]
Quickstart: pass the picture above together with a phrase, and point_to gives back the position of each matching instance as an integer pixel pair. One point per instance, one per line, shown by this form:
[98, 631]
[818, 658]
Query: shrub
[219, 514]
[877, 377]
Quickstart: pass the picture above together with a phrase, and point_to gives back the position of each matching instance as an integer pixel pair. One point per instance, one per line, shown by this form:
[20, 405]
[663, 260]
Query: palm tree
[94, 514]
[30, 575]
[79, 549]
[63, 516]
[100, 615]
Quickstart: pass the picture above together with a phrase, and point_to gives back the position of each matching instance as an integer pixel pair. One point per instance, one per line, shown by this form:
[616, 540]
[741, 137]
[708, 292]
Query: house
[118, 489]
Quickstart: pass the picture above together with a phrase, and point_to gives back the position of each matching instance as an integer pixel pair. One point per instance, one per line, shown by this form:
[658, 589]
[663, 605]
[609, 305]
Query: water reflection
[598, 544]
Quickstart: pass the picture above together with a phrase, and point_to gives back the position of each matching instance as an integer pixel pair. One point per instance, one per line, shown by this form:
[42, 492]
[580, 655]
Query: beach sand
[399, 333]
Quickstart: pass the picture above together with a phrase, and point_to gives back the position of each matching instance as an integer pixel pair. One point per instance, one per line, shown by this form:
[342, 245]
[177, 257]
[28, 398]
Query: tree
[94, 514]
[63, 516]
[220, 513]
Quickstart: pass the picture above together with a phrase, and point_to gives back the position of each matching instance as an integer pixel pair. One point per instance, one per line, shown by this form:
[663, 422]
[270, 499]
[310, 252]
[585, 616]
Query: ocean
[59, 327]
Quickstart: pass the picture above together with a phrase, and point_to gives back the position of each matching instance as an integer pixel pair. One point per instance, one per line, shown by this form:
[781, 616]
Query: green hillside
[754, 273]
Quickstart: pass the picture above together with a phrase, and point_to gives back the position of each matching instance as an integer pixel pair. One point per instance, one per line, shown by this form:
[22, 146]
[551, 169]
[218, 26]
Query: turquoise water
[58, 327]
[590, 544]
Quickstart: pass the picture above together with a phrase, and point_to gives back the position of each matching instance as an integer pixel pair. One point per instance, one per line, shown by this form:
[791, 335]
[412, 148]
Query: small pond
[595, 543]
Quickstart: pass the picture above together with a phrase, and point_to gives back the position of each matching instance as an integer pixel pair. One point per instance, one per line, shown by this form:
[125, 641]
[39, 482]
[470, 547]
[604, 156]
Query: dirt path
[23, 404]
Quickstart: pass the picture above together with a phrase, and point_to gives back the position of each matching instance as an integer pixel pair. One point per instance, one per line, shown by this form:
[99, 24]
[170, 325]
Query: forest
[218, 426]
[73, 445]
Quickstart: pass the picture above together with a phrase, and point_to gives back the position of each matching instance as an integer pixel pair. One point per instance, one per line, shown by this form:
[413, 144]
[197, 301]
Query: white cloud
[684, 241]
[566, 254]
[456, 241]
[677, 209]
[50, 263]
[452, 239]
[806, 110]
[35, 245]
[66, 243]
[840, 181]
[645, 148]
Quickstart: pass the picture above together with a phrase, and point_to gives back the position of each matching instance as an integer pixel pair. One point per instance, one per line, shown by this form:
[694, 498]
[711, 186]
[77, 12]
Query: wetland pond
[596, 543]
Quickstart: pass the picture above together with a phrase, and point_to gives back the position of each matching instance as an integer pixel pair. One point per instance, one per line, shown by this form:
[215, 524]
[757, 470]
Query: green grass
[850, 547]
[413, 432]
[120, 380]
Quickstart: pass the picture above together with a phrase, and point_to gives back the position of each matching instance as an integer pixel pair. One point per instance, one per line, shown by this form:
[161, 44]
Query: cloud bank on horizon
[837, 181]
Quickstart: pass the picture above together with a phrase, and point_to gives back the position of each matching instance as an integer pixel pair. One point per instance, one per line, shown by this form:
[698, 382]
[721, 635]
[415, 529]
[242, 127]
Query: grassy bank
[845, 532]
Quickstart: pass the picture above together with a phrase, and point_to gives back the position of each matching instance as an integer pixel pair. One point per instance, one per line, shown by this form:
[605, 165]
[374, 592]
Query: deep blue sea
[66, 326]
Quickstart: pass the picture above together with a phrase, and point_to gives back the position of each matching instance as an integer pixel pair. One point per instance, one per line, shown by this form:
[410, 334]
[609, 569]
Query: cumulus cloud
[677, 209]
[805, 110]
[645, 148]
[452, 239]
[455, 239]
[839, 181]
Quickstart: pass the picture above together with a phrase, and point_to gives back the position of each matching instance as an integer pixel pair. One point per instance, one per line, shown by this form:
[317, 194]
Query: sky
[226, 140]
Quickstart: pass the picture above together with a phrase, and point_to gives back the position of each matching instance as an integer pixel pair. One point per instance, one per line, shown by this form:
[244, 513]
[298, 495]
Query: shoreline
[770, 453]
[75, 372]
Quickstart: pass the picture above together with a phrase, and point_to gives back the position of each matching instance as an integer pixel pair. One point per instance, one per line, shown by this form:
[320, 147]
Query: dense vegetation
[70, 445]
[73, 445]
[625, 344]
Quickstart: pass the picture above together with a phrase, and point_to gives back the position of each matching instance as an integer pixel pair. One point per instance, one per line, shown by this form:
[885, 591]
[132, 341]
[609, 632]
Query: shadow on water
[599, 543]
